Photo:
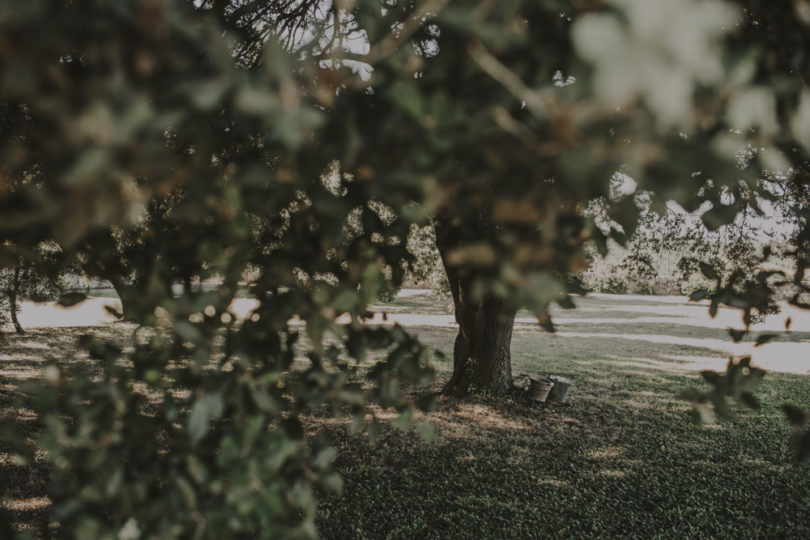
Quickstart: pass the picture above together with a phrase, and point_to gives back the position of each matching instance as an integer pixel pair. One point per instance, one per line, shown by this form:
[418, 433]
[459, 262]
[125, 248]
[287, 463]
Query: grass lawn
[620, 460]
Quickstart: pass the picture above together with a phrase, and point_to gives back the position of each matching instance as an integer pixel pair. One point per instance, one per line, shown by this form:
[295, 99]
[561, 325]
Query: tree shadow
[620, 459]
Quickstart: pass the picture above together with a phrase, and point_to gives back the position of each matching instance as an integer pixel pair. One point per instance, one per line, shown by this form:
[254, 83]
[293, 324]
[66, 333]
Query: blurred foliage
[739, 382]
[165, 142]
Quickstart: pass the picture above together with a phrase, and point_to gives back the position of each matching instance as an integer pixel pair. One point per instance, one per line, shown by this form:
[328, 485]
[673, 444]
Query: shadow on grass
[620, 460]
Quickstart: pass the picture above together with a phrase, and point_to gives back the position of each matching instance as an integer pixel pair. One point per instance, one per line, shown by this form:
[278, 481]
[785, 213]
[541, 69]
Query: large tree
[519, 115]
[33, 275]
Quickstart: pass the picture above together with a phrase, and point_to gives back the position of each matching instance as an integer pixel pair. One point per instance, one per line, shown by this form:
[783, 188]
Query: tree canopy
[298, 143]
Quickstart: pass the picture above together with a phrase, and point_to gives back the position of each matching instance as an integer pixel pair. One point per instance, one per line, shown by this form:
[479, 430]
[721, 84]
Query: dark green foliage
[162, 143]
[163, 162]
[739, 383]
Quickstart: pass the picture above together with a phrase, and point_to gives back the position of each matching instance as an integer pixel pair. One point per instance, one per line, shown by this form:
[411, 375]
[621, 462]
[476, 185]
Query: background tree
[133, 259]
[29, 277]
[665, 253]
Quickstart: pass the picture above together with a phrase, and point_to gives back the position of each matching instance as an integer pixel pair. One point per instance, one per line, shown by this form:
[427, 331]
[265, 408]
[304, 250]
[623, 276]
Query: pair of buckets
[551, 388]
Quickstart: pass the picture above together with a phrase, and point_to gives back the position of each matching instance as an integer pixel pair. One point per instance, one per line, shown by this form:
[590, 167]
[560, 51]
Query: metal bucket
[539, 388]
[559, 392]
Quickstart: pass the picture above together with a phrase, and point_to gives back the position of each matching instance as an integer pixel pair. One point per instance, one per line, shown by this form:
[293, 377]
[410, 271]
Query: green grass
[621, 460]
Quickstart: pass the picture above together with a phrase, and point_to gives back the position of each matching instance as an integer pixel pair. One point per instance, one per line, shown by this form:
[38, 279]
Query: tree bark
[13, 294]
[126, 294]
[481, 354]
[17, 326]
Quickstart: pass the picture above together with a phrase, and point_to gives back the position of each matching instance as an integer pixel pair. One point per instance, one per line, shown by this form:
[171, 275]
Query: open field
[620, 460]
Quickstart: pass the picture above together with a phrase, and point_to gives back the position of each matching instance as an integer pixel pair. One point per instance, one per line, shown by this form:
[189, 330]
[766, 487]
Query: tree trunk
[17, 326]
[13, 294]
[481, 355]
[126, 294]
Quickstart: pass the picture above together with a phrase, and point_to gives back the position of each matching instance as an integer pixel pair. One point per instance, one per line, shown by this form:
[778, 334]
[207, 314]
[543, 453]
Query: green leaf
[90, 164]
[750, 399]
[709, 271]
[426, 403]
[187, 330]
[196, 469]
[324, 458]
[256, 101]
[692, 394]
[373, 430]
[114, 482]
[737, 335]
[764, 338]
[404, 420]
[207, 95]
[600, 39]
[88, 527]
[800, 123]
[408, 98]
[704, 414]
[699, 294]
[187, 492]
[130, 530]
[205, 408]
[754, 107]
[332, 483]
